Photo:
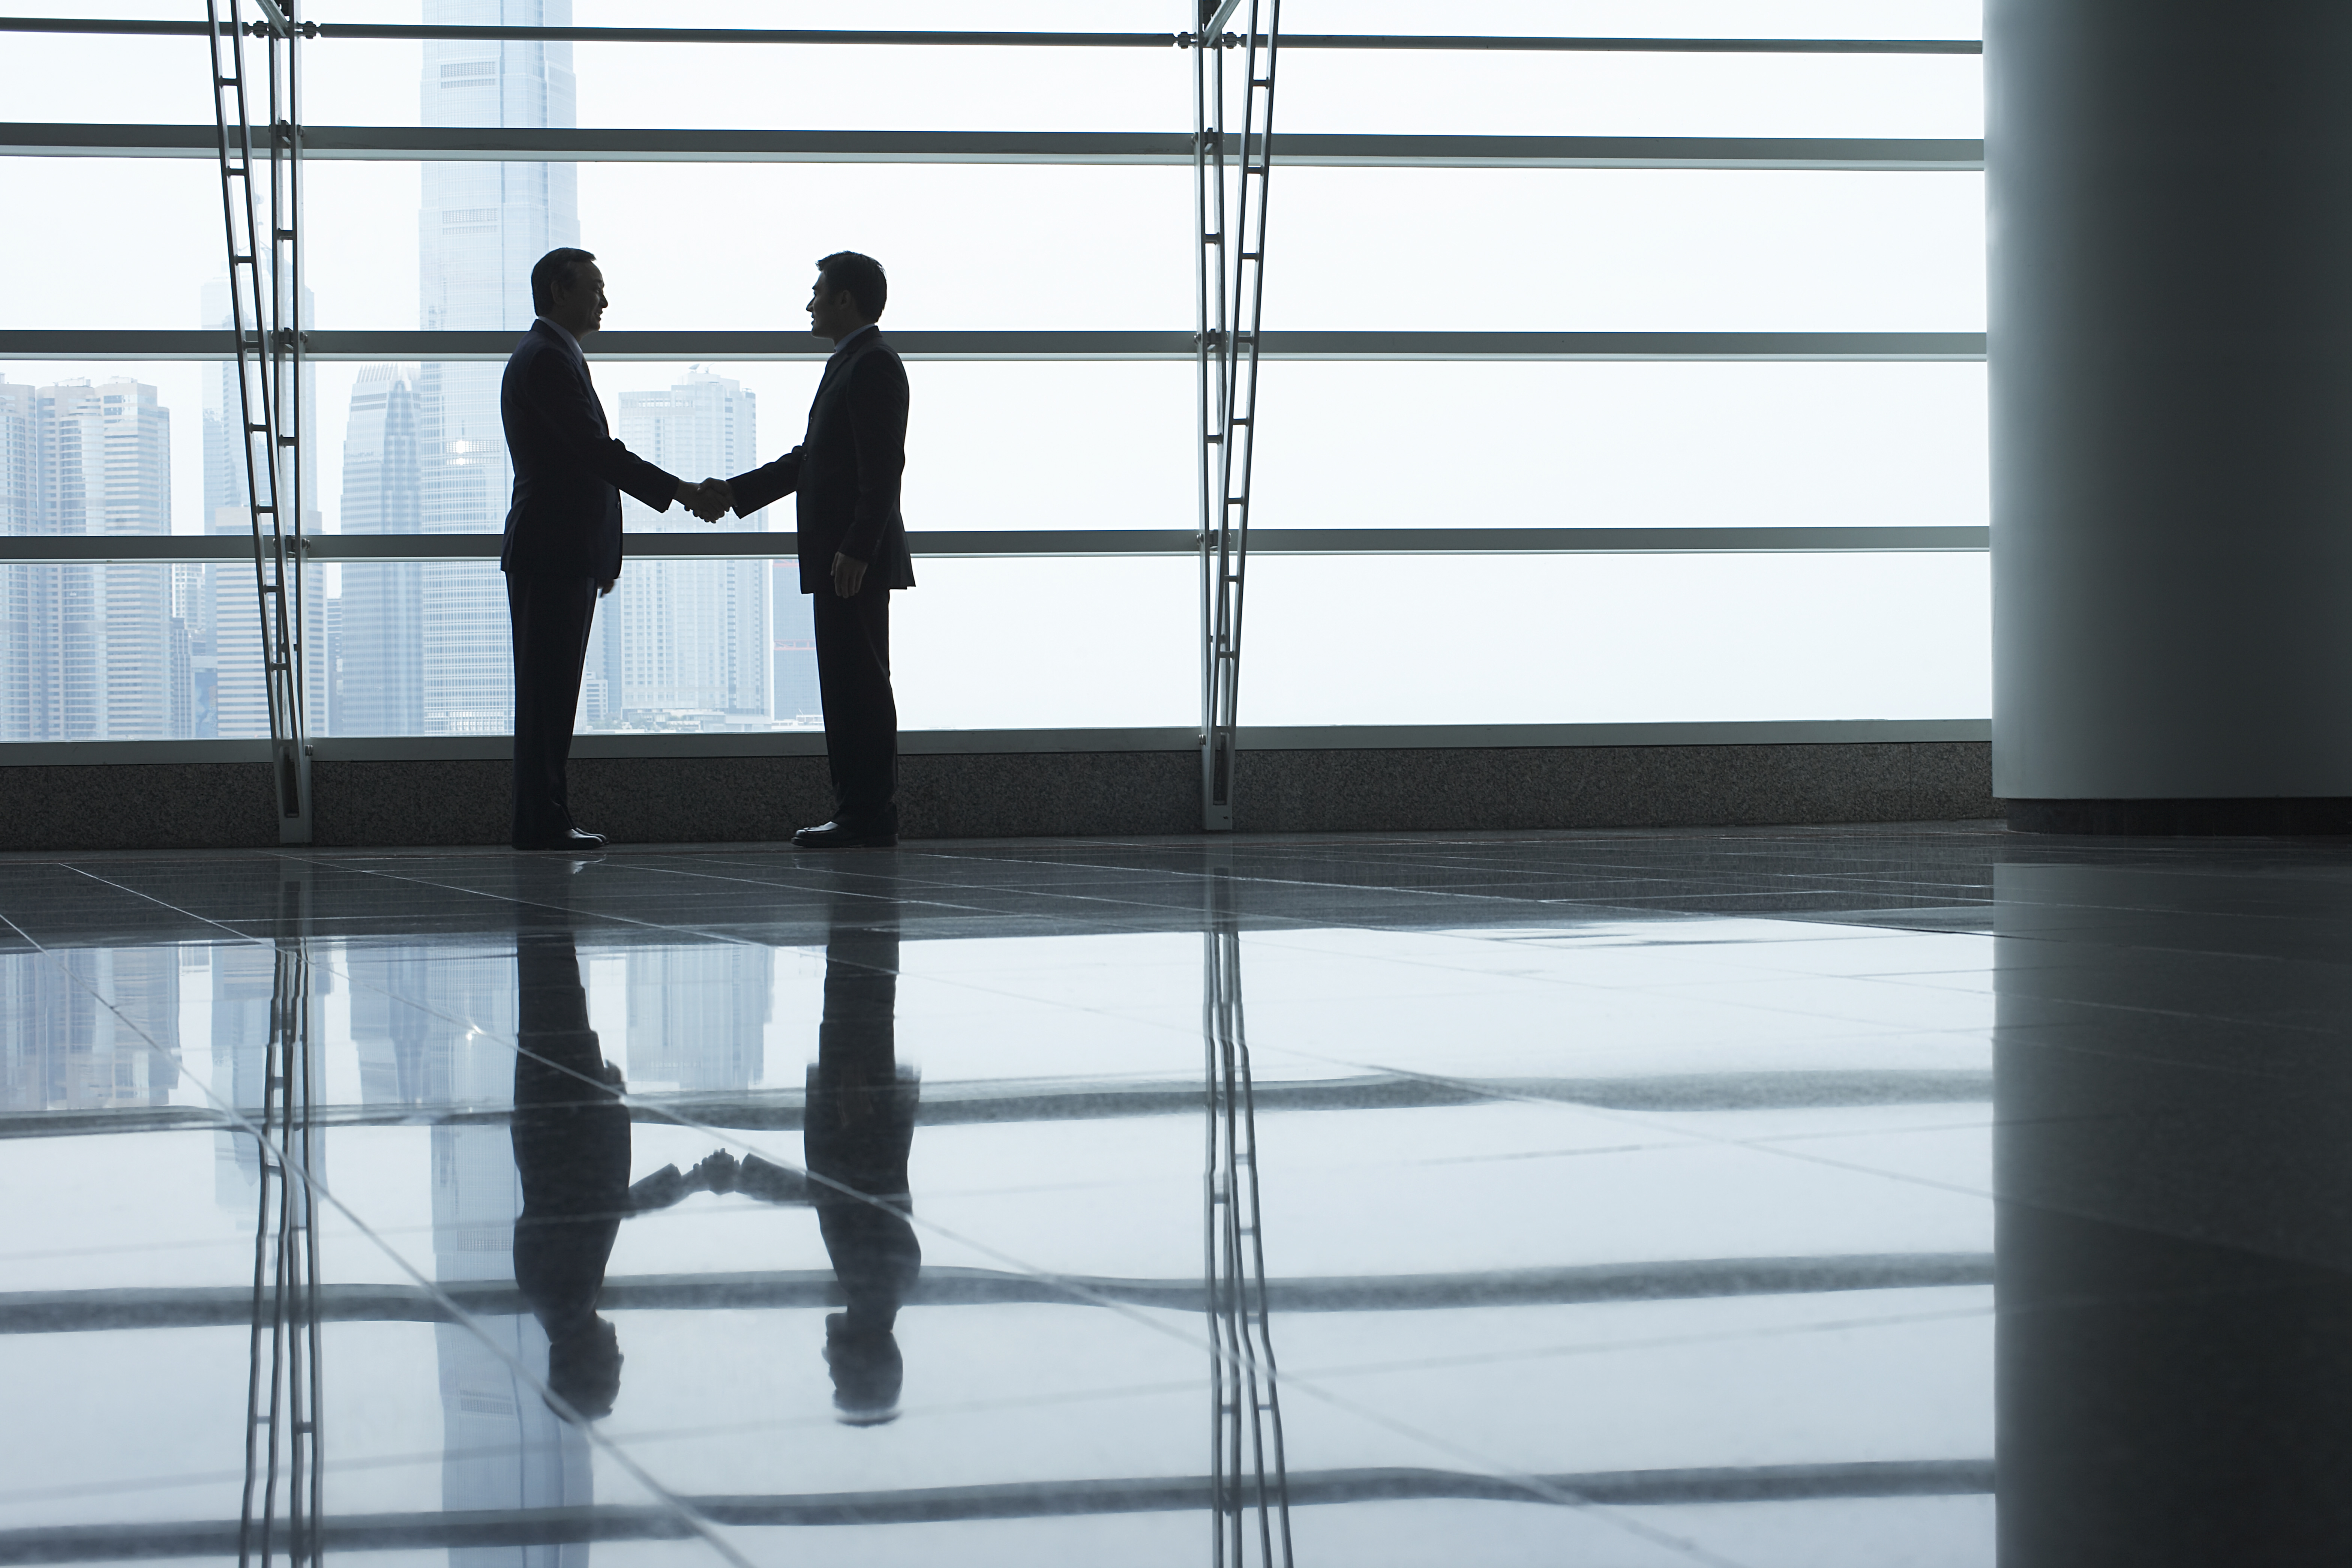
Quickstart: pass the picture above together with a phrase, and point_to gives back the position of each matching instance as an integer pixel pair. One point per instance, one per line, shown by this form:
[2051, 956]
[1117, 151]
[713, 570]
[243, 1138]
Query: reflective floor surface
[1613, 1199]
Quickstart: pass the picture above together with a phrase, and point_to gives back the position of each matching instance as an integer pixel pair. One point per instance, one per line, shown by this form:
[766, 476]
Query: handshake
[709, 501]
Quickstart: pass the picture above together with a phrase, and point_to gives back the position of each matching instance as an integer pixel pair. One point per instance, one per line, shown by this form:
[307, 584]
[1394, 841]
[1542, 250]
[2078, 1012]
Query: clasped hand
[709, 501]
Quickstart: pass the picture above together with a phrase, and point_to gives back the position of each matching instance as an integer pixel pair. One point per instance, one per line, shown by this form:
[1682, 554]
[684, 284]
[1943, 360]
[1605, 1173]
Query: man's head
[850, 293]
[568, 287]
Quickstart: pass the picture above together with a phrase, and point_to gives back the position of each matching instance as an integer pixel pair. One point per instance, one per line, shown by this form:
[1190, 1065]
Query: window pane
[1620, 445]
[1499, 93]
[145, 238]
[1625, 249]
[966, 246]
[423, 648]
[1647, 19]
[1427, 639]
[1048, 644]
[119, 651]
[82, 77]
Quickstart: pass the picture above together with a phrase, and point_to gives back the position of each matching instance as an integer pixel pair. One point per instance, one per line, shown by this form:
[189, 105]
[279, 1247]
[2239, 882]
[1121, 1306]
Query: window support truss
[1229, 202]
[265, 291]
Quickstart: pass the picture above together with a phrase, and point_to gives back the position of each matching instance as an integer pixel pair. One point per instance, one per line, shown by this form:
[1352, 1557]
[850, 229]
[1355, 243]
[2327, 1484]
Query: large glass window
[1579, 639]
[1444, 444]
[1003, 449]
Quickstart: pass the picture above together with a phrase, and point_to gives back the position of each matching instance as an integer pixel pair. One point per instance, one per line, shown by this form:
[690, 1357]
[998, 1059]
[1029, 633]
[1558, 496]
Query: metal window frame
[400, 143]
[870, 38]
[1055, 148]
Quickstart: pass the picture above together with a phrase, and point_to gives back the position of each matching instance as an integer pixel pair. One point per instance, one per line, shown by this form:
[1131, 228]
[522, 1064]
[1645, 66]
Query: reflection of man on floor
[860, 1126]
[858, 1129]
[571, 1154]
[571, 1151]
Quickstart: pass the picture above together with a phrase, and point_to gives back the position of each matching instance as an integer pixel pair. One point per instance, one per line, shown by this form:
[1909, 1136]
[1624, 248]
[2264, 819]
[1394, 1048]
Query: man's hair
[554, 270]
[861, 276]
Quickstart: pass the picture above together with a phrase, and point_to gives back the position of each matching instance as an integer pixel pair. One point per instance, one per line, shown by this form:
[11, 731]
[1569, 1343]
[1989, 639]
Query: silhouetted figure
[562, 533]
[571, 1152]
[853, 544]
[858, 1128]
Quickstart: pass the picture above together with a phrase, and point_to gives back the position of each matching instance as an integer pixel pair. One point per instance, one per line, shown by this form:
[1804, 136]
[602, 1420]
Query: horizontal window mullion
[740, 545]
[401, 143]
[679, 347]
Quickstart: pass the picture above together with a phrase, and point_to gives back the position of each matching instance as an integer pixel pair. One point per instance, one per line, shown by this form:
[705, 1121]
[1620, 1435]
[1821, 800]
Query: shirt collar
[564, 336]
[852, 337]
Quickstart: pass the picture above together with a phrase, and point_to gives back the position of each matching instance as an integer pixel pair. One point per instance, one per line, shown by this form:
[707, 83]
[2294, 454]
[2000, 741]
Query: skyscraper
[62, 1047]
[90, 647]
[481, 227]
[690, 643]
[698, 1015]
[381, 647]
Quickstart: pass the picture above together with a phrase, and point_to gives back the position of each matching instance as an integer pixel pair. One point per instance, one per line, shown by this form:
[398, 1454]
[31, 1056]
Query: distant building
[698, 1015]
[379, 645]
[63, 1050]
[481, 228]
[90, 649]
[685, 644]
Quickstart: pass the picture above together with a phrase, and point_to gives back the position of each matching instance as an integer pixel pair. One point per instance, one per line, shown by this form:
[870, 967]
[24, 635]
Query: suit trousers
[551, 617]
[861, 715]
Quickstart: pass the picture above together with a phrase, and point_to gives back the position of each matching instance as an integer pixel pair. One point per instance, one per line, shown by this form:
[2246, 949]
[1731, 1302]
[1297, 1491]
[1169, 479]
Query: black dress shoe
[837, 835]
[571, 839]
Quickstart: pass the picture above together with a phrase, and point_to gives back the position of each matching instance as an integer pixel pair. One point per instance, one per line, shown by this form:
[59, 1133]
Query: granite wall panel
[142, 805]
[683, 800]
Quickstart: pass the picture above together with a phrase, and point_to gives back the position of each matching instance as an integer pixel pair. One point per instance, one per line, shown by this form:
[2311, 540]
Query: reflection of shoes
[716, 1173]
[840, 836]
[571, 839]
[869, 1373]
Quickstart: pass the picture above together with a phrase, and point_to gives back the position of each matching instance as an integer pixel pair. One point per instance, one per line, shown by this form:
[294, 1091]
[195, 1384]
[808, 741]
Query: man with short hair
[853, 544]
[563, 532]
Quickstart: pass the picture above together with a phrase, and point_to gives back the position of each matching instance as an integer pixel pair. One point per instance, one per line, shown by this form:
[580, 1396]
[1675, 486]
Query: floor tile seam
[1632, 988]
[695, 1520]
[1638, 1120]
[639, 1439]
[1680, 1341]
[972, 909]
[1208, 877]
[2114, 1012]
[2144, 1061]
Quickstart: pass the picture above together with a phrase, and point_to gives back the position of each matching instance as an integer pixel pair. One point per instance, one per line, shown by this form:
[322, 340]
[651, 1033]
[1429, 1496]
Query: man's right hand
[709, 501]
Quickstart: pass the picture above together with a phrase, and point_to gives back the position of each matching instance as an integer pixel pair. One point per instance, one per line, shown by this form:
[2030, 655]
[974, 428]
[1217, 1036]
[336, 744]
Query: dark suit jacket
[845, 471]
[569, 471]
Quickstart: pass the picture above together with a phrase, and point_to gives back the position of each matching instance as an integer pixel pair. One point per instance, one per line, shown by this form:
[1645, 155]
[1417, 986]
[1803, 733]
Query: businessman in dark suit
[563, 532]
[853, 544]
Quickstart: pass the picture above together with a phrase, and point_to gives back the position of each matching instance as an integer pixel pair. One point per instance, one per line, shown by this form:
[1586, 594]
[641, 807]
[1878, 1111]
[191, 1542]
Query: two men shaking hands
[563, 538]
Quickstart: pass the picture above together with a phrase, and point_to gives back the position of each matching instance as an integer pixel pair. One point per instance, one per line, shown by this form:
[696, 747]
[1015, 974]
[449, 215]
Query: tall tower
[17, 583]
[481, 227]
[381, 646]
[688, 648]
[91, 647]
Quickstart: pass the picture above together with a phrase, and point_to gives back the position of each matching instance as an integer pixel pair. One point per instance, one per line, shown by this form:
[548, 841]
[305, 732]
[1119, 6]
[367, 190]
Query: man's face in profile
[581, 308]
[832, 313]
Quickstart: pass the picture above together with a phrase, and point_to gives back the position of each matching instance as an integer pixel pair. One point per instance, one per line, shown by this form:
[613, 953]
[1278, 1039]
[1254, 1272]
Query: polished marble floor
[1727, 1197]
